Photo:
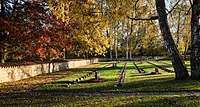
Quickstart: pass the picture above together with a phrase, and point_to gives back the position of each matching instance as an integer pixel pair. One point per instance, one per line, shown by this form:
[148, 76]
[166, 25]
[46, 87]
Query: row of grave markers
[160, 67]
[120, 81]
[140, 70]
[96, 74]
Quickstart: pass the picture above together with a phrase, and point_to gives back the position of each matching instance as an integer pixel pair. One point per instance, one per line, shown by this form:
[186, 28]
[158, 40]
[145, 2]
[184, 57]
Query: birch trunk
[177, 61]
[195, 46]
[110, 49]
[127, 43]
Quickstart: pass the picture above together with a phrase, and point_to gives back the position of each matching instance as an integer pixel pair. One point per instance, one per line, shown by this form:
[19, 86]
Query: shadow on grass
[146, 66]
[90, 81]
[152, 66]
[156, 84]
[62, 82]
[165, 101]
[134, 83]
[148, 84]
[49, 100]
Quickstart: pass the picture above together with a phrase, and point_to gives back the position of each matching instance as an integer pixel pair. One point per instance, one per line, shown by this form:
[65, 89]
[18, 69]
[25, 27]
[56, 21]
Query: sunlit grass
[146, 66]
[56, 93]
[109, 73]
[134, 82]
[187, 62]
[33, 82]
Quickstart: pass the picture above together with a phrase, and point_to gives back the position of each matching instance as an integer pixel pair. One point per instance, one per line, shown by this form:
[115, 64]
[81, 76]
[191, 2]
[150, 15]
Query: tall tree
[33, 32]
[3, 10]
[195, 46]
[177, 61]
[91, 21]
[127, 40]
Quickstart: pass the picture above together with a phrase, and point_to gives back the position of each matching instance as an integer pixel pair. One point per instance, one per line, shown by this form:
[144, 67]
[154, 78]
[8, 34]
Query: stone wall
[9, 74]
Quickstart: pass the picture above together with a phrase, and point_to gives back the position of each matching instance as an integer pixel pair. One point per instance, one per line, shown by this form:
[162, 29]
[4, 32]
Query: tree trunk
[185, 51]
[123, 41]
[177, 61]
[2, 15]
[110, 52]
[195, 46]
[131, 39]
[3, 10]
[64, 53]
[2, 58]
[186, 45]
[110, 49]
[115, 46]
[127, 45]
[130, 46]
[123, 53]
[178, 28]
[116, 53]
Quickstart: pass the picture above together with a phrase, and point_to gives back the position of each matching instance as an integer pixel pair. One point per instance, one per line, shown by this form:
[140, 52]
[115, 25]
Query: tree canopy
[56, 29]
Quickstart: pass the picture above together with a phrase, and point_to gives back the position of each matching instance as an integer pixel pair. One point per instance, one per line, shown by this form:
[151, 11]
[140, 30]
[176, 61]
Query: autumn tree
[89, 38]
[179, 22]
[195, 28]
[34, 33]
[177, 61]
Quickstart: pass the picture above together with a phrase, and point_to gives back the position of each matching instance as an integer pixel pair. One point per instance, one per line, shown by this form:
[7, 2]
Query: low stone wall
[9, 74]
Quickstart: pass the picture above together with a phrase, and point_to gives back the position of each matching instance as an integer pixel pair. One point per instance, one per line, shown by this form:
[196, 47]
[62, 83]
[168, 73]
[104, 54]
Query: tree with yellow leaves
[90, 39]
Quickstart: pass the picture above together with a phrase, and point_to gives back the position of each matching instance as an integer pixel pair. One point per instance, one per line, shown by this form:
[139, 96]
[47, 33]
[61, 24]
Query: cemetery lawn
[62, 100]
[159, 90]
[134, 82]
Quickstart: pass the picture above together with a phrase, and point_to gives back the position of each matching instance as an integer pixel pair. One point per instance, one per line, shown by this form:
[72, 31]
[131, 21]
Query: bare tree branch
[191, 2]
[188, 11]
[136, 4]
[151, 18]
[173, 7]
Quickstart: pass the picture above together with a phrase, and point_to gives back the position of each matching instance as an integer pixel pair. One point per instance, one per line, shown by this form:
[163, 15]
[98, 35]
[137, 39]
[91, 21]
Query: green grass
[165, 64]
[146, 66]
[108, 73]
[36, 100]
[187, 62]
[134, 82]
[54, 94]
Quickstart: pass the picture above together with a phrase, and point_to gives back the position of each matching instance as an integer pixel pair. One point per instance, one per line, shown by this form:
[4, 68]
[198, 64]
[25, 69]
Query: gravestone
[156, 70]
[97, 75]
[114, 65]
